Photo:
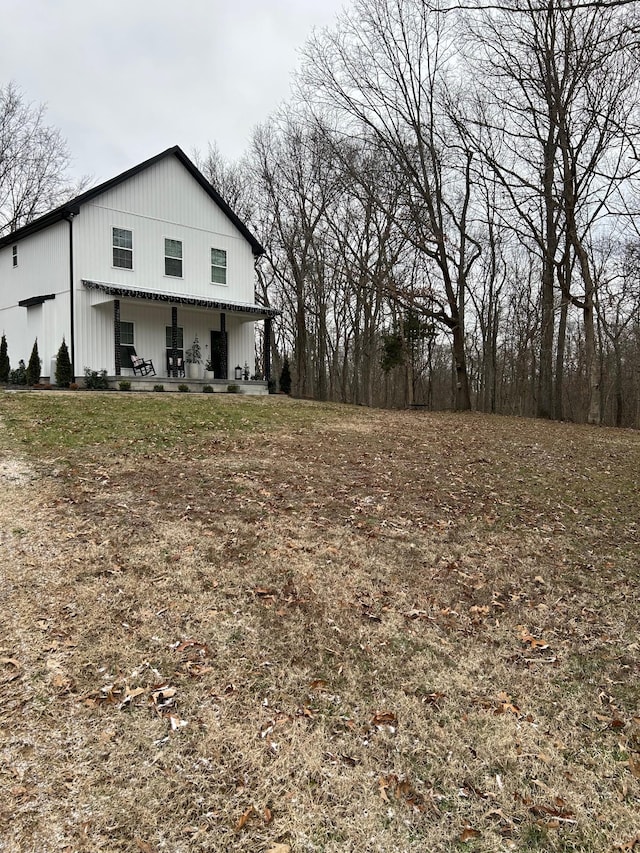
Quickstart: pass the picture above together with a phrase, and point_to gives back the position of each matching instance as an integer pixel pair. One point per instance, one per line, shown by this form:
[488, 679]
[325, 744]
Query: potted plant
[193, 359]
[208, 370]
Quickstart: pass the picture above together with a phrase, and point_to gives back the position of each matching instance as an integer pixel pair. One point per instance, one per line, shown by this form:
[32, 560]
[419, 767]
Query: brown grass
[348, 630]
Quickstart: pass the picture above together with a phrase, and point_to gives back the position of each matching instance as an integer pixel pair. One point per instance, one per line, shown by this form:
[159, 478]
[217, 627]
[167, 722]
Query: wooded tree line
[450, 208]
[449, 205]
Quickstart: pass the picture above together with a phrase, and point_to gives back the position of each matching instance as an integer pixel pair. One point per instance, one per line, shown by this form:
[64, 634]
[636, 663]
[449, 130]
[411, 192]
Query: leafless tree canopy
[34, 161]
[436, 201]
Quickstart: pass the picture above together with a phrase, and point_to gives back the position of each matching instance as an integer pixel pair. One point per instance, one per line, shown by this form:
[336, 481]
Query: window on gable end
[14, 253]
[218, 266]
[123, 248]
[173, 257]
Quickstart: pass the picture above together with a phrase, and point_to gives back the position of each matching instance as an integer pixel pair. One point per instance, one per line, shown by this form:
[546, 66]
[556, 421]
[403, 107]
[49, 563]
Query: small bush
[184, 388]
[63, 366]
[158, 388]
[34, 368]
[18, 376]
[5, 366]
[95, 380]
[285, 376]
[207, 389]
[124, 385]
[73, 386]
[233, 389]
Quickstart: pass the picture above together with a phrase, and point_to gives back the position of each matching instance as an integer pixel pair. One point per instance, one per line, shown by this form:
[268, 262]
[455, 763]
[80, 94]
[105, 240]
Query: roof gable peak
[72, 207]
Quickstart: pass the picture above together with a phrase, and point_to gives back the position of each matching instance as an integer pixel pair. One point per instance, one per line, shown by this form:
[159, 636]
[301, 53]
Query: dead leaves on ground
[393, 787]
[12, 669]
[252, 814]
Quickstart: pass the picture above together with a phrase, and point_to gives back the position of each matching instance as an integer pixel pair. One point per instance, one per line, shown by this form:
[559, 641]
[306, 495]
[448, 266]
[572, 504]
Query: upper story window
[173, 257]
[123, 248]
[14, 253]
[218, 266]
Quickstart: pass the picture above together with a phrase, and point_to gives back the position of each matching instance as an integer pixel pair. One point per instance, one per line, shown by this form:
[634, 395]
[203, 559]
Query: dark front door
[219, 354]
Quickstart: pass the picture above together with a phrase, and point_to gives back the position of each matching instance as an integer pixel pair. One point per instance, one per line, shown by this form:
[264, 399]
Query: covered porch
[161, 327]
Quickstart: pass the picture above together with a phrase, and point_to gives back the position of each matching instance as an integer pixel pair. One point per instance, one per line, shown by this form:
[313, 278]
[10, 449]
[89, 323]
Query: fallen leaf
[385, 718]
[245, 817]
[279, 848]
[383, 784]
[634, 766]
[144, 846]
[468, 833]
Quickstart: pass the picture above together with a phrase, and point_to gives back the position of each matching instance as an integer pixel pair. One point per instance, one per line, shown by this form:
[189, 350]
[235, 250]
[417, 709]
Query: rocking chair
[142, 367]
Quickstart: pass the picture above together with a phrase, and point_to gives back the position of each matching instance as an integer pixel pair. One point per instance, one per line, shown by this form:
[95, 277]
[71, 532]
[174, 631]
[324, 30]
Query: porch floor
[146, 383]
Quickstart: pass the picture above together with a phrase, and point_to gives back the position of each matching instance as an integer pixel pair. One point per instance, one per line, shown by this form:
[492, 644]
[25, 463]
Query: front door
[219, 354]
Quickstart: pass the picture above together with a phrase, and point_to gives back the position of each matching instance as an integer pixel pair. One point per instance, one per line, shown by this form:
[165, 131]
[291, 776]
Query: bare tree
[34, 161]
[294, 166]
[382, 74]
[561, 81]
[231, 179]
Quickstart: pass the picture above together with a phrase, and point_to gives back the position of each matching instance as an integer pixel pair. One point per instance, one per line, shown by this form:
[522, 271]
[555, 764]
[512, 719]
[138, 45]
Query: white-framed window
[173, 257]
[126, 333]
[14, 254]
[218, 266]
[122, 248]
[180, 344]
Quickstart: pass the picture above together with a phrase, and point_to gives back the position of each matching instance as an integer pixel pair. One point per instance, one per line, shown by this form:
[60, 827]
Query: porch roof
[117, 290]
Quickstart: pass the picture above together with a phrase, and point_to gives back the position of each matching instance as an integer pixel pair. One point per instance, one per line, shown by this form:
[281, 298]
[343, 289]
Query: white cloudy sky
[125, 79]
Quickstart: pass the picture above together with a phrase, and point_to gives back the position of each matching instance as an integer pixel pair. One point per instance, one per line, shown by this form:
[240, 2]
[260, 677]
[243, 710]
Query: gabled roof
[73, 206]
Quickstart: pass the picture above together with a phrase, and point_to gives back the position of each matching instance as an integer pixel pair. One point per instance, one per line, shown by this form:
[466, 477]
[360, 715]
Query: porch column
[116, 336]
[266, 348]
[224, 354]
[174, 341]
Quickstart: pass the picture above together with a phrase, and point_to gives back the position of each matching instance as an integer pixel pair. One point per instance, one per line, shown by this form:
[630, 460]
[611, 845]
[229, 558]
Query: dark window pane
[122, 238]
[173, 248]
[173, 266]
[126, 333]
[168, 337]
[123, 258]
[218, 275]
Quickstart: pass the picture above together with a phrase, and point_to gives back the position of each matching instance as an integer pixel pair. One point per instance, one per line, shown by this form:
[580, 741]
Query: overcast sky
[125, 79]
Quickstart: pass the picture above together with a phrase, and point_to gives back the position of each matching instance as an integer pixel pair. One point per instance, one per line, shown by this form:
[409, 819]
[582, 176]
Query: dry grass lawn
[232, 624]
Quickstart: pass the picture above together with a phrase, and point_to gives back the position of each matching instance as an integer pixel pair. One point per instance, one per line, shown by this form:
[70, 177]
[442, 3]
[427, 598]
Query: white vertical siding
[164, 201]
[43, 268]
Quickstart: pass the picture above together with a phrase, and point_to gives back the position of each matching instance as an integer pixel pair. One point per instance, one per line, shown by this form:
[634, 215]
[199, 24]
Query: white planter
[208, 376]
[194, 371]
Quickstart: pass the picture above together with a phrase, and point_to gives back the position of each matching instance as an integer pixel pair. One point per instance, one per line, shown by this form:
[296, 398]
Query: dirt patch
[15, 472]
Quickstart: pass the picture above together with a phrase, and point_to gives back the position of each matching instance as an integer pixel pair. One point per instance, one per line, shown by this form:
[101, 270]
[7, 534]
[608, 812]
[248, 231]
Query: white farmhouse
[137, 266]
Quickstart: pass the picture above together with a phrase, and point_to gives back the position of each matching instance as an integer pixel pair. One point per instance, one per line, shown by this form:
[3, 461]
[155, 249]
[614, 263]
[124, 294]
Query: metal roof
[72, 207]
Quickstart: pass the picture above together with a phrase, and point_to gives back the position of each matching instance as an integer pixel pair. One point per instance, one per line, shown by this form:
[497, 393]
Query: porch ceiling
[118, 291]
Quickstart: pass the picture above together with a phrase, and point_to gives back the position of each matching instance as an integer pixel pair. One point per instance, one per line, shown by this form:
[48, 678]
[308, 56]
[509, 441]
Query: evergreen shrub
[63, 376]
[34, 368]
